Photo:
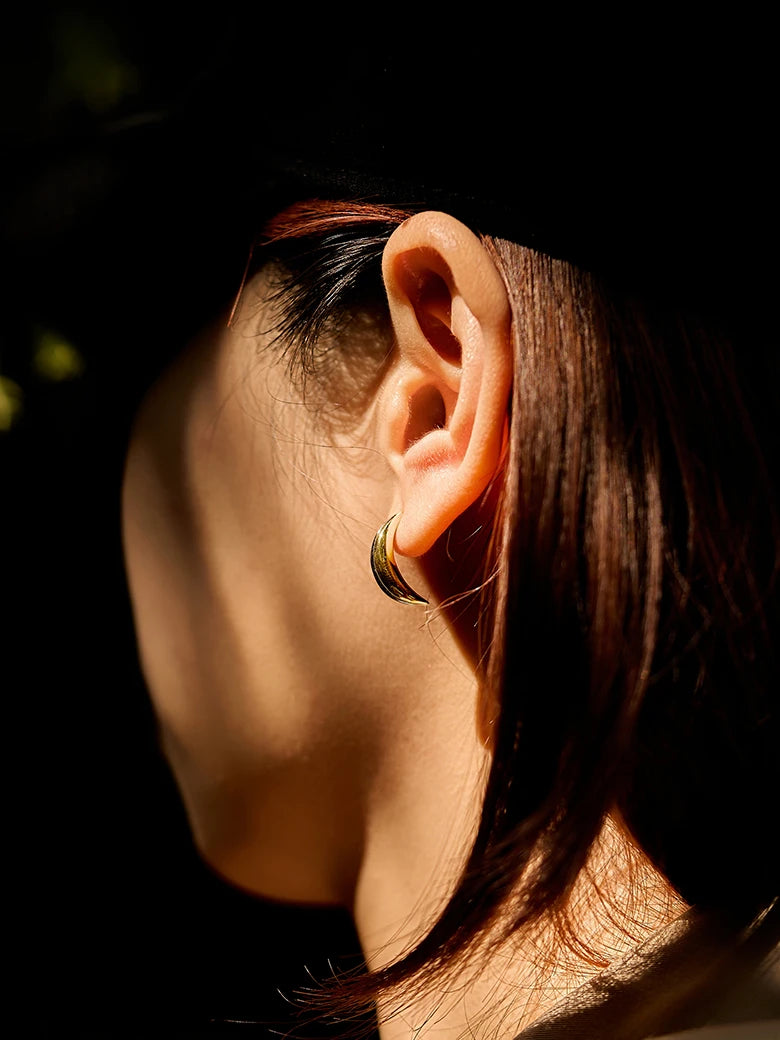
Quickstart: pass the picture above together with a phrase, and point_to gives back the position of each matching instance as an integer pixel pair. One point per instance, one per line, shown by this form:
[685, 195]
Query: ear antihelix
[384, 568]
[432, 298]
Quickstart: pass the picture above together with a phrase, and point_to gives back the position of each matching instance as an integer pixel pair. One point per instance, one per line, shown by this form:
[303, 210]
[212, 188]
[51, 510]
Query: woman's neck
[619, 903]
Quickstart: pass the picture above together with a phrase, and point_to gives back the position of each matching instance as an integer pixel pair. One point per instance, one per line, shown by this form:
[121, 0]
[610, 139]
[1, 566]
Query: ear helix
[384, 568]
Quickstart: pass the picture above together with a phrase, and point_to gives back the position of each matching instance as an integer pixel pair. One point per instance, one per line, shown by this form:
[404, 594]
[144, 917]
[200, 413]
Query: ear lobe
[444, 402]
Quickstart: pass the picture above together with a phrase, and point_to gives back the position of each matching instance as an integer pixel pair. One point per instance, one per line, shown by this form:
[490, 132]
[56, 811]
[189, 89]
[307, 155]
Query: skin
[330, 745]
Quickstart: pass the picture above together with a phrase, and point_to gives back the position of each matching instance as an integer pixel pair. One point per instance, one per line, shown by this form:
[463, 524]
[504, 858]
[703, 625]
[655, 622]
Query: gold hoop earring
[384, 568]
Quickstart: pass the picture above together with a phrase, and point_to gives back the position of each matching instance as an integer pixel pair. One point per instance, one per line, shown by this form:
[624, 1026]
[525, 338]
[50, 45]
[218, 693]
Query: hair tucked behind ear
[629, 634]
[638, 599]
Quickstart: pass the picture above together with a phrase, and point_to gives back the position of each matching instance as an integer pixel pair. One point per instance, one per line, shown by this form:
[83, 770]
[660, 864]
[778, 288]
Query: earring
[384, 567]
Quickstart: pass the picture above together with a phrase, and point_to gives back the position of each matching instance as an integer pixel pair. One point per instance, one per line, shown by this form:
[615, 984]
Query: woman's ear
[444, 400]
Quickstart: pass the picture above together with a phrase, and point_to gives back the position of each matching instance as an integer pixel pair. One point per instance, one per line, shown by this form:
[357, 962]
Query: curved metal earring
[384, 568]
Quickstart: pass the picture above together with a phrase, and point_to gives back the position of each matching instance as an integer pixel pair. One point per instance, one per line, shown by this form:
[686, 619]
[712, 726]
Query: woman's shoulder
[700, 979]
[769, 1029]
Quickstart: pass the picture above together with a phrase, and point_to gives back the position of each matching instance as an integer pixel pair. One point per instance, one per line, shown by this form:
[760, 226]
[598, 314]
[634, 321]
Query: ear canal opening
[427, 411]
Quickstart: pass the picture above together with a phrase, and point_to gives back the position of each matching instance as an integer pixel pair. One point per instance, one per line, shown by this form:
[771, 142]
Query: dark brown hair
[630, 608]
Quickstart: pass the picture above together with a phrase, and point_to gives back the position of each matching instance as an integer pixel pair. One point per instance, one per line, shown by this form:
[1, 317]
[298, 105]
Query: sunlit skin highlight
[332, 746]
